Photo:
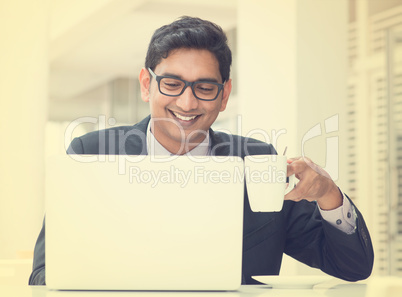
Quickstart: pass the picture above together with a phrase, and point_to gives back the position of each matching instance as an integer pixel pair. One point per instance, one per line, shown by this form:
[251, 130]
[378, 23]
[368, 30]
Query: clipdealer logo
[199, 174]
[331, 125]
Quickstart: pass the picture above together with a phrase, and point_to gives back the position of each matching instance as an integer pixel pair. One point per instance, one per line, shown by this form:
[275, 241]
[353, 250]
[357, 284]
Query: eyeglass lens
[202, 90]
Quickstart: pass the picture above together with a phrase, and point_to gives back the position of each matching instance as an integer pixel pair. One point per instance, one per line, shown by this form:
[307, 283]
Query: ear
[225, 96]
[144, 79]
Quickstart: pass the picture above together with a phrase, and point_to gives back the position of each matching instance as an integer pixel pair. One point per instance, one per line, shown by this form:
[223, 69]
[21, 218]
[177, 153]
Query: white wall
[322, 73]
[23, 98]
[267, 70]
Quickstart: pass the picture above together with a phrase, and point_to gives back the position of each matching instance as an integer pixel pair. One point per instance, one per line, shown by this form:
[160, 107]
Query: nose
[187, 100]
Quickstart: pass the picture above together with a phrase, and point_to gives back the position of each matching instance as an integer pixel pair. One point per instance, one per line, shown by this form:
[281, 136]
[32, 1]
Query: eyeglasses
[172, 86]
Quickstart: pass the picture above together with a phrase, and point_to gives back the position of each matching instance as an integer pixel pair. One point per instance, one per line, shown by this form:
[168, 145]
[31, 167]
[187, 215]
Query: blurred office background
[322, 77]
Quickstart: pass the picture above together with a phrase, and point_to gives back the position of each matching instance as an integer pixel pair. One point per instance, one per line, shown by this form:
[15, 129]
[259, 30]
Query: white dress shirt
[156, 149]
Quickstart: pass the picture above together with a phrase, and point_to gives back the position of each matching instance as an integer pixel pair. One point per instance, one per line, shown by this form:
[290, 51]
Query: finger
[290, 170]
[296, 167]
[294, 193]
[291, 160]
[300, 191]
[316, 168]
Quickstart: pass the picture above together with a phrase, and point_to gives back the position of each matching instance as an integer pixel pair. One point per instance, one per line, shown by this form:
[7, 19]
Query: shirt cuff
[342, 218]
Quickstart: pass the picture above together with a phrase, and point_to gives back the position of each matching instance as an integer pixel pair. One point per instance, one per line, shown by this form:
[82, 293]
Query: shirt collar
[156, 149]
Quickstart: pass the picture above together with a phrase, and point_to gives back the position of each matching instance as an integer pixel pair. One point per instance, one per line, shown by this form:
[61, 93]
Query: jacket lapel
[222, 144]
[134, 141]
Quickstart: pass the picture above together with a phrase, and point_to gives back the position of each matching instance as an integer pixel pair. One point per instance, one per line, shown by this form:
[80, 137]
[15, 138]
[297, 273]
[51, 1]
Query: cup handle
[291, 184]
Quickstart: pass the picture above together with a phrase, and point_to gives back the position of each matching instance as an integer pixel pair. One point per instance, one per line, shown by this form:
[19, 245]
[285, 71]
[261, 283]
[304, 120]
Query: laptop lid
[140, 223]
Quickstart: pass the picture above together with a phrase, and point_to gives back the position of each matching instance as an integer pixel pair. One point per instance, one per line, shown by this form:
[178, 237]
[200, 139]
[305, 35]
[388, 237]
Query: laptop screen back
[138, 223]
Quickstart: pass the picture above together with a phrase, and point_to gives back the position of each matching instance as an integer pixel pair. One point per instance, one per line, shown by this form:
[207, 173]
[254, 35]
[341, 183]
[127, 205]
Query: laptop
[144, 223]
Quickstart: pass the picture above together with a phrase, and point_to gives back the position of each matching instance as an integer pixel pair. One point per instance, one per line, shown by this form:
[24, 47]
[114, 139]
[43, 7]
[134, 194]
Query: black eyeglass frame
[158, 78]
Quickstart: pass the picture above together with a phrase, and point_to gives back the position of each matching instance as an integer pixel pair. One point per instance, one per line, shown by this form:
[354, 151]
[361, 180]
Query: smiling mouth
[184, 118]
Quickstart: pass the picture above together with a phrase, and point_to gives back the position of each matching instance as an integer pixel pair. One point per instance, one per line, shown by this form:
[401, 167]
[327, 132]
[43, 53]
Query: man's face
[182, 122]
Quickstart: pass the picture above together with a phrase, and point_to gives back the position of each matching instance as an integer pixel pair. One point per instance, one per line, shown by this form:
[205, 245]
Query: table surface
[342, 290]
[373, 287]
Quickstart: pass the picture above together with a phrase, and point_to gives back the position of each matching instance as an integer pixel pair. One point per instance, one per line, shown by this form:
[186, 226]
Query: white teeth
[183, 118]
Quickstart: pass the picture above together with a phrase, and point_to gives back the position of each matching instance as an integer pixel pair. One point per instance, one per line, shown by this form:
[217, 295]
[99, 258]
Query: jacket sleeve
[75, 147]
[315, 242]
[38, 270]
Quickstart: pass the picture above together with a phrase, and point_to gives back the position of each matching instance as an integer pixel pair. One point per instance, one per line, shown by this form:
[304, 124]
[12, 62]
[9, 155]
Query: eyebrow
[207, 79]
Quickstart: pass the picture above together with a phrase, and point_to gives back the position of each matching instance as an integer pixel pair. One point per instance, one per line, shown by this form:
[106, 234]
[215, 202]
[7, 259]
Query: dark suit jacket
[298, 230]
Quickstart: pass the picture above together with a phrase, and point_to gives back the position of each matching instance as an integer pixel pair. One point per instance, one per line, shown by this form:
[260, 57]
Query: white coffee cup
[266, 182]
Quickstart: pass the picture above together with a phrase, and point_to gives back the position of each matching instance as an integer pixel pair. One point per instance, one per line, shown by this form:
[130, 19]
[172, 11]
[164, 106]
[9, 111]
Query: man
[186, 82]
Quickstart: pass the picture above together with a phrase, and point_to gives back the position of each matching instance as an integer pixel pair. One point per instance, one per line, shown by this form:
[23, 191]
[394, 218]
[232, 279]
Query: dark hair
[190, 32]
